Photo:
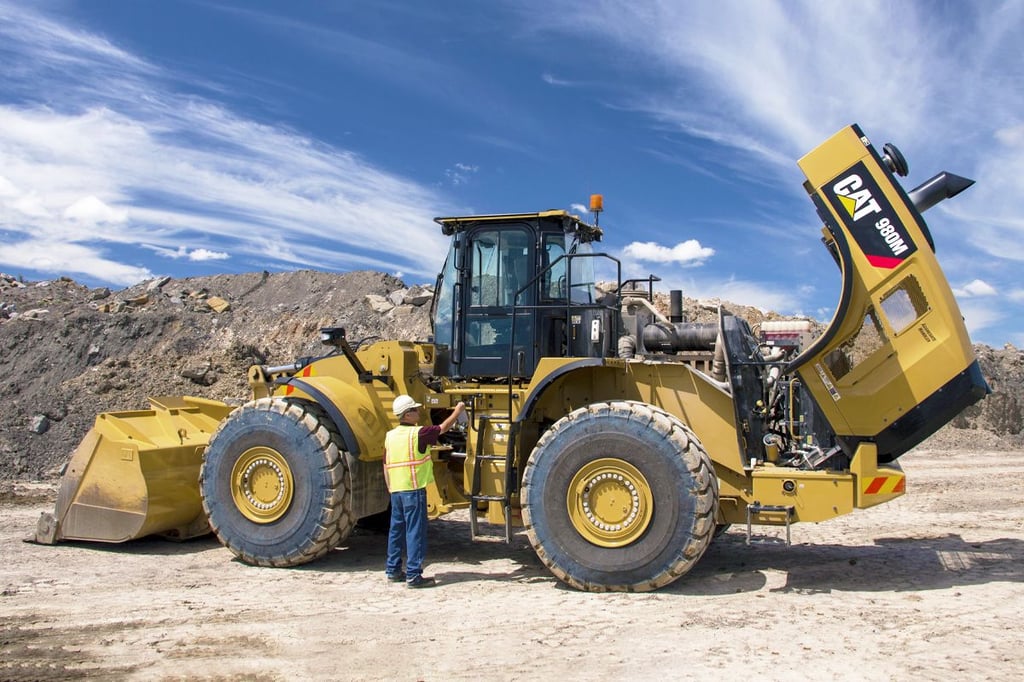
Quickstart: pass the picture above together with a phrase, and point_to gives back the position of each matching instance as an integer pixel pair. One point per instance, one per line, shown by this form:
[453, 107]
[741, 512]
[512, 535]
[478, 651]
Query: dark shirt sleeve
[428, 436]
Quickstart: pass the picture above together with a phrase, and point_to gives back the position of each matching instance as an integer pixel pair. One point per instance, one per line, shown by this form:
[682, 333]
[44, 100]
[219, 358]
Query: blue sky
[161, 137]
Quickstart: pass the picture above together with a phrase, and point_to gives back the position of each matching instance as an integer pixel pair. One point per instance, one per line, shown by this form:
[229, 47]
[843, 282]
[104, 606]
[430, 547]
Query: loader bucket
[136, 474]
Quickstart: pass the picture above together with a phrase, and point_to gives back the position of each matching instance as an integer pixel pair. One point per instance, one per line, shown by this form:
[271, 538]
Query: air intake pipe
[664, 337]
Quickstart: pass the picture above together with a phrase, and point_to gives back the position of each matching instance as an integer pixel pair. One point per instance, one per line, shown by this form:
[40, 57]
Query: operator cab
[514, 289]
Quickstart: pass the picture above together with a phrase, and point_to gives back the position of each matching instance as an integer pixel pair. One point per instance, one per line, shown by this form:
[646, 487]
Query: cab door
[500, 263]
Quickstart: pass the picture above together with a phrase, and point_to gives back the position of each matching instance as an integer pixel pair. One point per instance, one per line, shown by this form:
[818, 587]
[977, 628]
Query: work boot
[395, 578]
[416, 583]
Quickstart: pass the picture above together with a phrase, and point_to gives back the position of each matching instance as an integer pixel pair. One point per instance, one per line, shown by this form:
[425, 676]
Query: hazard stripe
[876, 485]
[399, 465]
[885, 485]
[306, 372]
[413, 442]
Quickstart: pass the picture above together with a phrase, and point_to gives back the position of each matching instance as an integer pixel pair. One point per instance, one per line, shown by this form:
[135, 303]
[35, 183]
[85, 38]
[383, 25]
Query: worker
[408, 471]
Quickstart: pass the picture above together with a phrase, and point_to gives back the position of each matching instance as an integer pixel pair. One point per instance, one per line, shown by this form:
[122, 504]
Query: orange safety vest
[407, 467]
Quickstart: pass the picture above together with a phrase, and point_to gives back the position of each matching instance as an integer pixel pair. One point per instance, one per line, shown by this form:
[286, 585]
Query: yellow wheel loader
[621, 438]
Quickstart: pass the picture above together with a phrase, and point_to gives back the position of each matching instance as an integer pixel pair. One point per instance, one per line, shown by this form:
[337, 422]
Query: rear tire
[275, 484]
[619, 496]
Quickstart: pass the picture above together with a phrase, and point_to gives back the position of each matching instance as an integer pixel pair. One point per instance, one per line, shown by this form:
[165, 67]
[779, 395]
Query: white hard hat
[403, 404]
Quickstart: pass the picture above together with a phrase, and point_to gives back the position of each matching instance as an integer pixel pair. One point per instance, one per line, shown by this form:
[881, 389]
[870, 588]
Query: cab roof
[570, 222]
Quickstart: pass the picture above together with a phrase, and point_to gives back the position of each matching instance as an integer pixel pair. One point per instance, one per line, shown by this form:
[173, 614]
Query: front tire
[619, 496]
[275, 484]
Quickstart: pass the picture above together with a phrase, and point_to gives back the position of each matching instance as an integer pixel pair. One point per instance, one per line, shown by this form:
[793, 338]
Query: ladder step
[474, 533]
[757, 509]
[480, 459]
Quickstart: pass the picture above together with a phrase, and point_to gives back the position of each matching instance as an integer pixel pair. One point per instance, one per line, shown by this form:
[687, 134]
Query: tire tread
[335, 520]
[697, 462]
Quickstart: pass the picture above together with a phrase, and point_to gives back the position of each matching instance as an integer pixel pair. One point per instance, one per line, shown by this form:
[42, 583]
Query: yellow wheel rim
[261, 484]
[609, 502]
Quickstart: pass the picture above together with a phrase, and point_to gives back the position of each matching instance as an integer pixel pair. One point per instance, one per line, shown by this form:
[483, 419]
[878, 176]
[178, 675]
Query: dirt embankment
[68, 352]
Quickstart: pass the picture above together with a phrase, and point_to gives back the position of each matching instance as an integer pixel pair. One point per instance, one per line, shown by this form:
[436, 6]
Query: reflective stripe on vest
[406, 470]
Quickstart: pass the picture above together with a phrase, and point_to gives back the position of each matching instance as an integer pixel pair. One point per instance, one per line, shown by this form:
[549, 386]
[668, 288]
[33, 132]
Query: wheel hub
[609, 502]
[262, 485]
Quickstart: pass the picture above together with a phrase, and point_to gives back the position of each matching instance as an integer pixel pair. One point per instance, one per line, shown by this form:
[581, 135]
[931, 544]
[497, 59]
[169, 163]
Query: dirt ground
[926, 587]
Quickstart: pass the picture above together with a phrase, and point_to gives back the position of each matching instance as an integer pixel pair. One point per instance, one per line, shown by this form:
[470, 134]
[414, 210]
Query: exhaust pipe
[940, 187]
[675, 306]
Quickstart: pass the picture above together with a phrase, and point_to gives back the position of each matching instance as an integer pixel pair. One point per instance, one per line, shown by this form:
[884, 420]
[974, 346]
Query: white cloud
[197, 255]
[974, 288]
[551, 79]
[786, 94]
[460, 173]
[93, 211]
[206, 254]
[30, 205]
[736, 291]
[689, 252]
[578, 209]
[56, 256]
[978, 316]
[7, 189]
[119, 132]
[1017, 295]
[1012, 136]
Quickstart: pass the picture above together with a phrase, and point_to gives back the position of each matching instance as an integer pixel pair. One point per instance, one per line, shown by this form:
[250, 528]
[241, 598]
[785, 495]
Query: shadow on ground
[887, 565]
[729, 565]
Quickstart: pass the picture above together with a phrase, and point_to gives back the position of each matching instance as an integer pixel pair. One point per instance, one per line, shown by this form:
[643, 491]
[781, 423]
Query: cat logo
[861, 204]
[856, 198]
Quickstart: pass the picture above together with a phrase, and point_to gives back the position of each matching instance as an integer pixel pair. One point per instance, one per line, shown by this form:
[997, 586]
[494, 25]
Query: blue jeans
[408, 533]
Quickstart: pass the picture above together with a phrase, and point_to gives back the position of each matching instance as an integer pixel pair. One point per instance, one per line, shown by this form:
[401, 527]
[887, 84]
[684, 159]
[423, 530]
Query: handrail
[513, 441]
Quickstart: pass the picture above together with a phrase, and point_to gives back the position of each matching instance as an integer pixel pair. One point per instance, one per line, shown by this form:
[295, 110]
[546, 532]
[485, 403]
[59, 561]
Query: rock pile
[68, 352]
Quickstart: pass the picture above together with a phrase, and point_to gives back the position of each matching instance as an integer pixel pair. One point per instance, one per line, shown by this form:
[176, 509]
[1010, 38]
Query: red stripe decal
[876, 485]
[901, 486]
[887, 262]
